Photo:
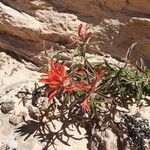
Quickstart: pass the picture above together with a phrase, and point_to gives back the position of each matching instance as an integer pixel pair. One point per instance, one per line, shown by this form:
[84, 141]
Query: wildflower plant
[92, 85]
[87, 95]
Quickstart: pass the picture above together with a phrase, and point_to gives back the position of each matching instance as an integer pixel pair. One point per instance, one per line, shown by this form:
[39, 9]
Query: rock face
[137, 30]
[28, 28]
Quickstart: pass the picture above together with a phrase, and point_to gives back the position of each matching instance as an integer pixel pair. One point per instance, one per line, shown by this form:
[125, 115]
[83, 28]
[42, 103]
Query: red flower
[85, 105]
[56, 78]
[82, 33]
[99, 75]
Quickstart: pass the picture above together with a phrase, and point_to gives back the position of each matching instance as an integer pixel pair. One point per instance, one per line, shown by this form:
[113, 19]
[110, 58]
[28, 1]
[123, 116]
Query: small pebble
[7, 107]
[33, 112]
[15, 120]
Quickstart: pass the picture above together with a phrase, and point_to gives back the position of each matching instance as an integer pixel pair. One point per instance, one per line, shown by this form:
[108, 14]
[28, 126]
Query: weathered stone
[137, 31]
[15, 120]
[28, 28]
[44, 104]
[105, 140]
[7, 107]
[33, 112]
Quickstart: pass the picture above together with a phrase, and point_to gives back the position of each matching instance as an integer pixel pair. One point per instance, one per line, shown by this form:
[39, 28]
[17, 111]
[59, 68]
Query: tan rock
[137, 30]
[139, 6]
[27, 35]
[105, 140]
[30, 27]
[15, 120]
[7, 107]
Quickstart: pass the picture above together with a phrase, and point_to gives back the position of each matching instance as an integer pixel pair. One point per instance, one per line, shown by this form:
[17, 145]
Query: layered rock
[137, 30]
[28, 27]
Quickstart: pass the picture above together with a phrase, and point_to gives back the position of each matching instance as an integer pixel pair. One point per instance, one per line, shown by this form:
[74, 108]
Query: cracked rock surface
[28, 28]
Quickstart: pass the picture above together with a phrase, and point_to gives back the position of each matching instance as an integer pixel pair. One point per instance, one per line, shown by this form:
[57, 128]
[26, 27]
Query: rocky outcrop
[26, 35]
[28, 28]
[105, 8]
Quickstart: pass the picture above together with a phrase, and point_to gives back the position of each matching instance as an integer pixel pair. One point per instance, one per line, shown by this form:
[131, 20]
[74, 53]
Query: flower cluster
[59, 81]
[56, 78]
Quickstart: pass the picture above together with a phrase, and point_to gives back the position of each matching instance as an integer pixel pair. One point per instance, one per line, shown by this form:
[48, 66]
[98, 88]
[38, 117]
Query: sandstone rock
[44, 104]
[27, 35]
[105, 140]
[26, 102]
[22, 114]
[138, 6]
[7, 107]
[137, 31]
[104, 8]
[15, 120]
[128, 6]
[30, 27]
